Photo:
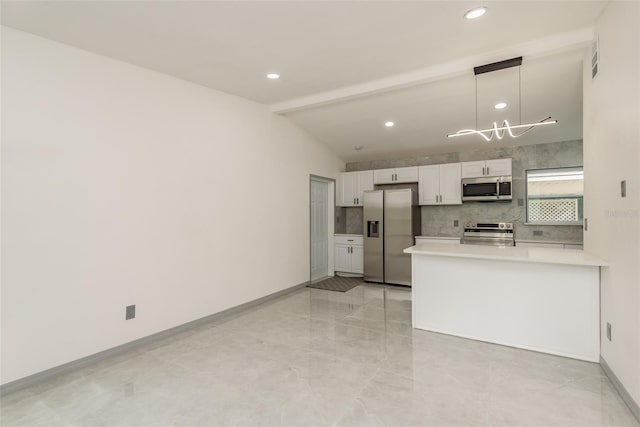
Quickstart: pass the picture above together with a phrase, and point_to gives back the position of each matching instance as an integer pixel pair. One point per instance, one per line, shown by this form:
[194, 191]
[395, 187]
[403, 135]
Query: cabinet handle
[354, 200]
[357, 201]
[487, 170]
[483, 174]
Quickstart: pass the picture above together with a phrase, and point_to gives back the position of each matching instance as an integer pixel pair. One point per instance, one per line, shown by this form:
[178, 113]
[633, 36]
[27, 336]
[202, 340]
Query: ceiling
[346, 66]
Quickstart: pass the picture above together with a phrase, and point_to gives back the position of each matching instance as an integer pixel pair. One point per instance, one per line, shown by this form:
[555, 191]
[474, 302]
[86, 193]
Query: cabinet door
[348, 189]
[450, 185]
[498, 167]
[343, 258]
[409, 174]
[357, 259]
[428, 184]
[383, 176]
[473, 169]
[365, 183]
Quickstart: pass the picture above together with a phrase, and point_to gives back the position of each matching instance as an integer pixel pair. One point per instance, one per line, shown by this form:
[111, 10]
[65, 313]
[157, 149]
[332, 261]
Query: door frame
[331, 206]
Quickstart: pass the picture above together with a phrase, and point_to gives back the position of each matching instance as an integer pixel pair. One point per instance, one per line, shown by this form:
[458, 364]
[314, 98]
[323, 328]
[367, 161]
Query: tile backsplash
[440, 220]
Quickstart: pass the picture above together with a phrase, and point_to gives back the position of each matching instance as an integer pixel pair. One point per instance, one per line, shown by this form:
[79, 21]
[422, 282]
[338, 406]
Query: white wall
[612, 154]
[125, 186]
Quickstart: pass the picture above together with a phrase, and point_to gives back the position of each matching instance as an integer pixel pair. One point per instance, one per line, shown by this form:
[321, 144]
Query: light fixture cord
[476, 101]
[520, 91]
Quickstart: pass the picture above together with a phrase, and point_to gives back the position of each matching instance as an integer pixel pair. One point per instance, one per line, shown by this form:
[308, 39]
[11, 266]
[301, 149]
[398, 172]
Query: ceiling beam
[535, 49]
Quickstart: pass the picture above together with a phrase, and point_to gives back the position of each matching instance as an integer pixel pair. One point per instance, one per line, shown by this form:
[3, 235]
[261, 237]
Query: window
[554, 196]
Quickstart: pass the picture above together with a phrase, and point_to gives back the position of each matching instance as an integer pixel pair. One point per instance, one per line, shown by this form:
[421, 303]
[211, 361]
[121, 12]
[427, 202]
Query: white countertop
[510, 253]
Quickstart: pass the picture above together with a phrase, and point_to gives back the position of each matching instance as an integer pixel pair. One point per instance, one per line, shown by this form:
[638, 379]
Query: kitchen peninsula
[539, 299]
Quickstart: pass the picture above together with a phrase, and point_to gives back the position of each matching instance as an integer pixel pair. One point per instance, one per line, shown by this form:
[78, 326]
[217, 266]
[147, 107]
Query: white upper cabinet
[429, 184]
[473, 169]
[384, 176]
[409, 174]
[498, 167]
[351, 185]
[440, 184]
[450, 184]
[396, 175]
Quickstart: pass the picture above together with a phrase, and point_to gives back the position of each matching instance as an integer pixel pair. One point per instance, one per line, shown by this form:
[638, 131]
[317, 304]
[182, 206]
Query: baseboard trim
[633, 406]
[27, 381]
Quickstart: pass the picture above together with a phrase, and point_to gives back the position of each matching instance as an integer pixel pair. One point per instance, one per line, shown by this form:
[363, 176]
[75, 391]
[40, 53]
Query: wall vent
[595, 58]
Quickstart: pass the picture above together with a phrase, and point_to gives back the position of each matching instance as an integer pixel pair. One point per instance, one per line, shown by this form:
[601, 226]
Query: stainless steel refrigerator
[391, 222]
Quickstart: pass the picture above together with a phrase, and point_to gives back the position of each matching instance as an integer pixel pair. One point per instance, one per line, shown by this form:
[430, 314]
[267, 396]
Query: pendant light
[499, 131]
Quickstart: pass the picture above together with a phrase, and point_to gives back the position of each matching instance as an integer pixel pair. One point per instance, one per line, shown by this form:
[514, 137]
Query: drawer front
[349, 240]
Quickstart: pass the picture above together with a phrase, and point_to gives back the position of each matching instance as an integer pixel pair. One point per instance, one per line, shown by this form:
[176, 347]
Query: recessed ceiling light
[389, 124]
[358, 147]
[273, 76]
[500, 105]
[475, 12]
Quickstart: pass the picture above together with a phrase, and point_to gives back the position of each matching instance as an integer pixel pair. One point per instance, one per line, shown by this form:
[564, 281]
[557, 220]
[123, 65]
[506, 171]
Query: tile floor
[316, 357]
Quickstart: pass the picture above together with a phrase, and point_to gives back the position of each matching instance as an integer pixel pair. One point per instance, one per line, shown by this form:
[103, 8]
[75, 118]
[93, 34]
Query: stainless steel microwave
[486, 189]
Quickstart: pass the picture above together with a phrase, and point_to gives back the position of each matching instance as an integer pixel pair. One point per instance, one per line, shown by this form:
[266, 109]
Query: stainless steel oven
[486, 189]
[493, 234]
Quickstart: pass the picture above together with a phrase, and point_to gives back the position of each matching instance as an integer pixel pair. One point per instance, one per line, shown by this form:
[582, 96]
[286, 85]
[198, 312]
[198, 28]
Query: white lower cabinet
[357, 259]
[343, 258]
[349, 254]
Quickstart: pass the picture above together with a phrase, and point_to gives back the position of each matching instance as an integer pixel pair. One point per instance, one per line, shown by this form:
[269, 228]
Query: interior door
[319, 230]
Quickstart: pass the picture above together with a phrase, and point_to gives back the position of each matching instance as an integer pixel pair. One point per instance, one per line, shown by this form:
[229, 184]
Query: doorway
[321, 195]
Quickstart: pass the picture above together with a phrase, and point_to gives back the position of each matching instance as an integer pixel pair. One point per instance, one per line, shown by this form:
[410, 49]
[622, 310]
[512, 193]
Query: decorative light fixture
[506, 127]
[389, 124]
[475, 12]
[273, 76]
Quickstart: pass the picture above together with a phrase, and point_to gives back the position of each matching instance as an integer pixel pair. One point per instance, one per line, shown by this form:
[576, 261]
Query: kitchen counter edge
[509, 253]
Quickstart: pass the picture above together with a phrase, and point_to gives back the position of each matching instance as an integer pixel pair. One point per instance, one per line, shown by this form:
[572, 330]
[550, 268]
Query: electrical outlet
[520, 202]
[130, 312]
[537, 232]
[609, 331]
[456, 223]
